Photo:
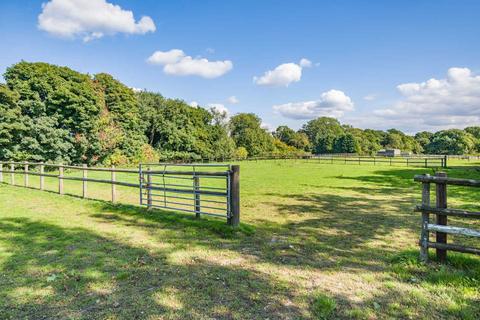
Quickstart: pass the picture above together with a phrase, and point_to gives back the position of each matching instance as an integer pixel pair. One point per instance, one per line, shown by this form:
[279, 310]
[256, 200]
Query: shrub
[241, 153]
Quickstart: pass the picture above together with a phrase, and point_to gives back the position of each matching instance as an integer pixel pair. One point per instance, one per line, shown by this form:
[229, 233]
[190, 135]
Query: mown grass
[316, 242]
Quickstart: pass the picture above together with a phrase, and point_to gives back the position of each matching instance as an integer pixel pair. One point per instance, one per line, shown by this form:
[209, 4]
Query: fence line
[332, 159]
[201, 193]
[441, 212]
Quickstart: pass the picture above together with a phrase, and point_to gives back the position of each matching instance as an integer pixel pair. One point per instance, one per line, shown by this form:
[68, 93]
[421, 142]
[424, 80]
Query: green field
[317, 241]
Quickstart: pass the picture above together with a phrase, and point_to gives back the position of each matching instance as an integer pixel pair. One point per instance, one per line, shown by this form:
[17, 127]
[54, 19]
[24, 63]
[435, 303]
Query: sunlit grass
[316, 241]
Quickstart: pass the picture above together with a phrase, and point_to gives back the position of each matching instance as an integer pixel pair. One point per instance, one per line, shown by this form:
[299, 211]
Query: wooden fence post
[234, 219]
[12, 174]
[424, 237]
[84, 181]
[42, 178]
[441, 203]
[60, 179]
[149, 189]
[25, 175]
[114, 189]
[1, 172]
[196, 187]
[445, 161]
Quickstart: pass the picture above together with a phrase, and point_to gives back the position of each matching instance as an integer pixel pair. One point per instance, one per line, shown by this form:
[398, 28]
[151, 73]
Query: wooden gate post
[441, 203]
[196, 187]
[60, 179]
[114, 189]
[25, 175]
[234, 219]
[84, 181]
[424, 237]
[42, 178]
[12, 174]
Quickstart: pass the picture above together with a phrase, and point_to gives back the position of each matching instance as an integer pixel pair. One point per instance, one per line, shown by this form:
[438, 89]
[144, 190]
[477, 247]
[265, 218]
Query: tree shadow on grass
[402, 179]
[331, 231]
[52, 272]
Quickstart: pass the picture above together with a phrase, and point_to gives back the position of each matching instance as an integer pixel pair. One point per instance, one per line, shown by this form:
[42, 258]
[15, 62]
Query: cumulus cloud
[267, 126]
[333, 103]
[193, 104]
[233, 100]
[218, 107]
[90, 19]
[437, 103]
[176, 62]
[283, 75]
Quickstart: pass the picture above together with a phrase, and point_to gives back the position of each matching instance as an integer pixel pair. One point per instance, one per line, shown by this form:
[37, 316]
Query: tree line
[55, 114]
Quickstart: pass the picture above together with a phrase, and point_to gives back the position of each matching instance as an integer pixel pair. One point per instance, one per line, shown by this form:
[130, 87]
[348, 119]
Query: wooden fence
[426, 162]
[58, 171]
[144, 185]
[441, 212]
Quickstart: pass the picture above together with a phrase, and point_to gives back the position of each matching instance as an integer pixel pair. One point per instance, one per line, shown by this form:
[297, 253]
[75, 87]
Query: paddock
[311, 236]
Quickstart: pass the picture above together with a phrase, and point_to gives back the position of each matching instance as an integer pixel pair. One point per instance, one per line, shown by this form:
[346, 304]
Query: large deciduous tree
[246, 131]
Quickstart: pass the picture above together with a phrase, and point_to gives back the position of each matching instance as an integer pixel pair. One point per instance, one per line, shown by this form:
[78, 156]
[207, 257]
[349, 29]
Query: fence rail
[441, 212]
[174, 195]
[426, 162]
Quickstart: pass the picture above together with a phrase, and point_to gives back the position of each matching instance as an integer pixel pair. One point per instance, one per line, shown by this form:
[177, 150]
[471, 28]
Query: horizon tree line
[50, 113]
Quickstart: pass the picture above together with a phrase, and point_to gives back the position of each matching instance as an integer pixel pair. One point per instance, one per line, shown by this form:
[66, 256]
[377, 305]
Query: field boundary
[191, 196]
[441, 212]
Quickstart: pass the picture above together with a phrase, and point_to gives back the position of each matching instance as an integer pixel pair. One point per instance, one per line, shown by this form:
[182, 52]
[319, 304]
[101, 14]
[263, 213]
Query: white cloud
[137, 89]
[233, 100]
[283, 75]
[176, 62]
[193, 104]
[218, 107]
[370, 97]
[90, 19]
[437, 104]
[267, 126]
[305, 63]
[333, 103]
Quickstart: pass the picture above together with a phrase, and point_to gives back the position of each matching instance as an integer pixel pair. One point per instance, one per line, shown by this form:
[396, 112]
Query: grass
[317, 241]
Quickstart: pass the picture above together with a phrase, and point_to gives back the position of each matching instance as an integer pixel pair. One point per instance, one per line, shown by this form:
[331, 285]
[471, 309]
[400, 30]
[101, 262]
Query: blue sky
[360, 51]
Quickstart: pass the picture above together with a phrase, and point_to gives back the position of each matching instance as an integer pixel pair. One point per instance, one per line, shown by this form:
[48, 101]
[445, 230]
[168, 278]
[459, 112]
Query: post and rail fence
[203, 189]
[442, 212]
[429, 161]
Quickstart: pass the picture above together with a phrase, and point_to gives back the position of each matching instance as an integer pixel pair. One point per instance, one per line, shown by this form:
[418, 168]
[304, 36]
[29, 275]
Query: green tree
[246, 131]
[453, 141]
[346, 143]
[322, 133]
[288, 136]
[173, 125]
[62, 99]
[423, 138]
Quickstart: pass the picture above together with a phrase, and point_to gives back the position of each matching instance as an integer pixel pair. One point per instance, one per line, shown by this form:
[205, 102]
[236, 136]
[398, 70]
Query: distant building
[389, 153]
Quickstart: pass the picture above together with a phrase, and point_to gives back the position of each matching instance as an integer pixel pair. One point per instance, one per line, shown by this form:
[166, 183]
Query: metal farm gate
[210, 189]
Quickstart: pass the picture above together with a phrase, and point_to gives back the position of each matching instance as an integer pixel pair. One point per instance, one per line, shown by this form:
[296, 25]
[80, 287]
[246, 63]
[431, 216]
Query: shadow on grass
[332, 230]
[63, 273]
[74, 272]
